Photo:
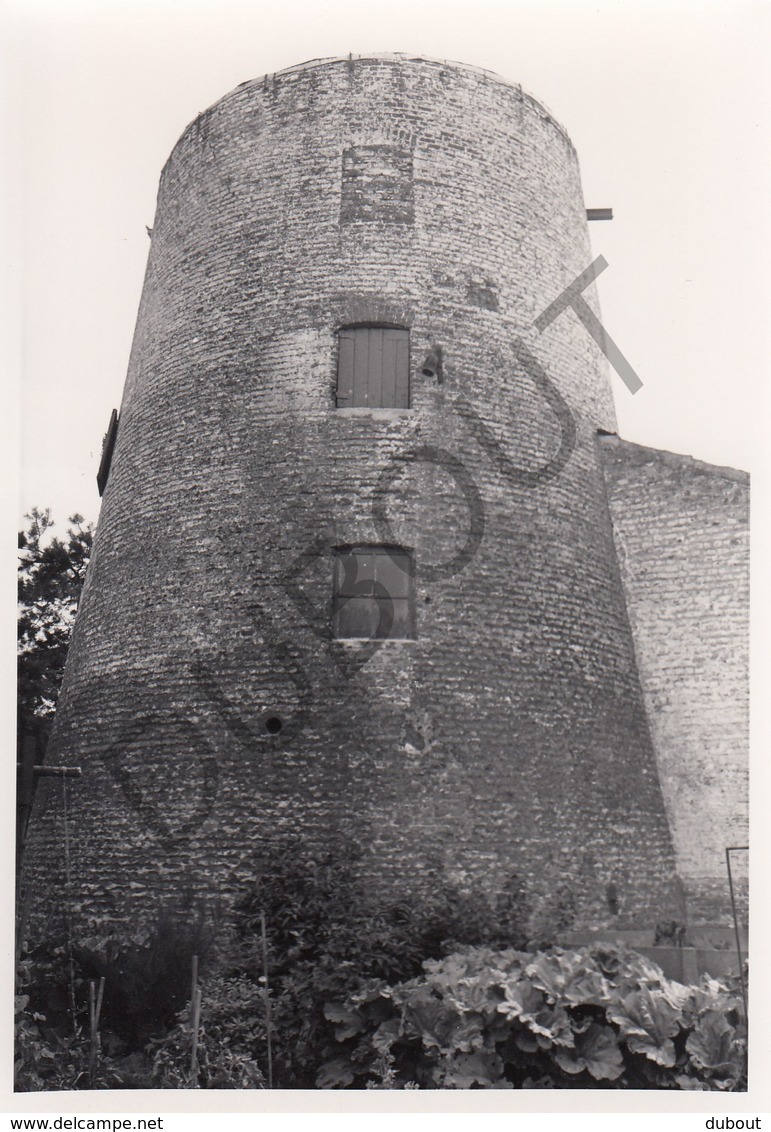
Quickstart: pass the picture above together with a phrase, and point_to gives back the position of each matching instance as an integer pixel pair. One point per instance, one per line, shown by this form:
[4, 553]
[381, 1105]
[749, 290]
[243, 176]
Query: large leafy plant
[600, 1017]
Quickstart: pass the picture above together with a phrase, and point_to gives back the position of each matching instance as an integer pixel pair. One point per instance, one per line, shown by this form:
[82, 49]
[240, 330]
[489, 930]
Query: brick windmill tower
[355, 568]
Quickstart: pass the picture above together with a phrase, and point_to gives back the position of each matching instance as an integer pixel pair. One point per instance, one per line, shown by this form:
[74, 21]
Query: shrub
[147, 975]
[147, 980]
[44, 1059]
[231, 1031]
[51, 1048]
[327, 938]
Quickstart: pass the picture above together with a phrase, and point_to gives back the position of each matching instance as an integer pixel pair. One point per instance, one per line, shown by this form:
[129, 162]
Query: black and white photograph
[390, 384]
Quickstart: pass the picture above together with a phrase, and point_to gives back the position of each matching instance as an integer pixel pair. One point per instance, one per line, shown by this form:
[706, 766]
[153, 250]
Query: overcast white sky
[667, 104]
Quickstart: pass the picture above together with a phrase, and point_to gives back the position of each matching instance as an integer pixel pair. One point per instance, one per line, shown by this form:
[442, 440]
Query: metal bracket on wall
[57, 771]
[27, 776]
[599, 214]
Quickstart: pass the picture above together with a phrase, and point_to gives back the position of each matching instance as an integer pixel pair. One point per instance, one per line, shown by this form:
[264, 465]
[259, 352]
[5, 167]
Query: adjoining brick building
[371, 559]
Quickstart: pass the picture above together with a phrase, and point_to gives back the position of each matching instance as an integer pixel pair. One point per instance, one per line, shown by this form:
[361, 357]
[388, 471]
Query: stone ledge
[374, 414]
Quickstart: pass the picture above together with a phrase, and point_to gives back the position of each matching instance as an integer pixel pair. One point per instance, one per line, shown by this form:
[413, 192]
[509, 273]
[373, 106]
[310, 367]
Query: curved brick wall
[682, 533]
[510, 735]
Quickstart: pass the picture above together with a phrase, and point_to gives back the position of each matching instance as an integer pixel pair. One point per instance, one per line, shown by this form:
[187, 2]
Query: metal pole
[729, 850]
[57, 771]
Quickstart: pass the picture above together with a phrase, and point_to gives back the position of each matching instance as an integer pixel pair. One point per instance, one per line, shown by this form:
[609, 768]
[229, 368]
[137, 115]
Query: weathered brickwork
[510, 736]
[682, 533]
[377, 184]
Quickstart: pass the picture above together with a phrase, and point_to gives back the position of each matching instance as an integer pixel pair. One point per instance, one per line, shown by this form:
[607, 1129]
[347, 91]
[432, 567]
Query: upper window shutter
[373, 368]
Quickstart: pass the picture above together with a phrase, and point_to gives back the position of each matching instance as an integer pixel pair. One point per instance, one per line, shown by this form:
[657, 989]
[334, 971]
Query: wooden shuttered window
[373, 594]
[373, 370]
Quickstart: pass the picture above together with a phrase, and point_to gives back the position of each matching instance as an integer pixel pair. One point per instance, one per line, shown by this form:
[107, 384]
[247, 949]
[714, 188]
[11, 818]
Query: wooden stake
[94, 1014]
[194, 1050]
[92, 1026]
[99, 997]
[195, 1022]
[268, 1025]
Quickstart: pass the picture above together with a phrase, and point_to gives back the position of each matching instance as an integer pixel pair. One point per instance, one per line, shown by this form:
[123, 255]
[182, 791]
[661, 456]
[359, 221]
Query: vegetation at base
[436, 990]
